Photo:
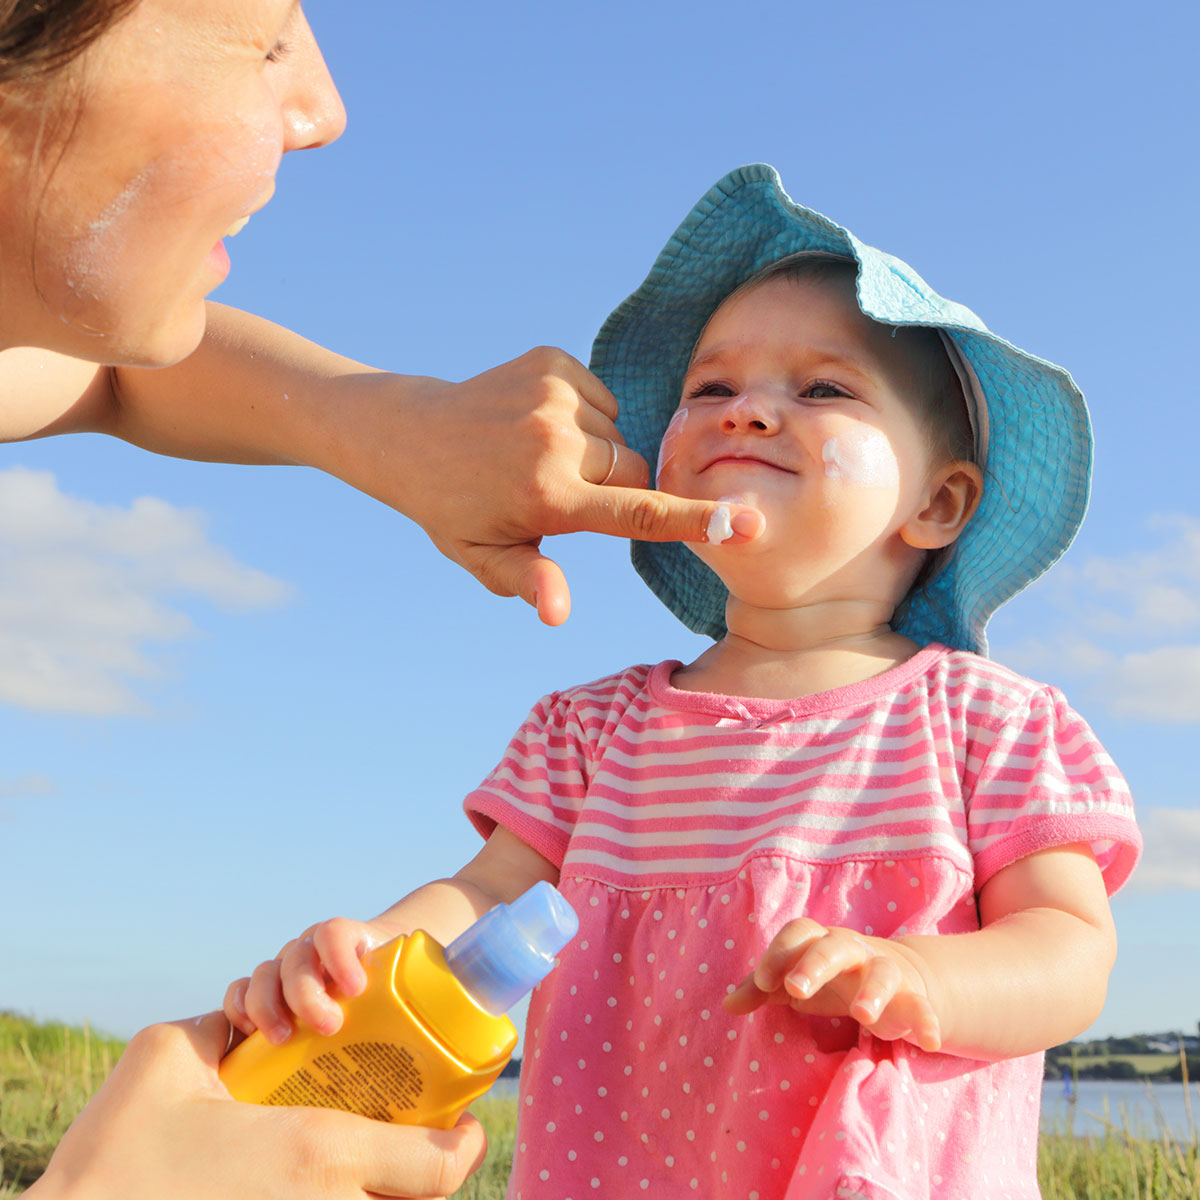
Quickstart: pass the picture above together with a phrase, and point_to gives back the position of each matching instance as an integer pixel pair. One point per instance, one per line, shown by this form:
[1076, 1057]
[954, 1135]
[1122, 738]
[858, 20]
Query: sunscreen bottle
[428, 1034]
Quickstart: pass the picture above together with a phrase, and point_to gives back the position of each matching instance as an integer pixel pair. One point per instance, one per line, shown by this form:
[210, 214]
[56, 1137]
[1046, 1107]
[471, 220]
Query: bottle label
[377, 1079]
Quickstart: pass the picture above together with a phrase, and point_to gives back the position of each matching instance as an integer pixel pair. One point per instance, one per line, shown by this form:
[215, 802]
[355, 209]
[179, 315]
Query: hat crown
[1038, 434]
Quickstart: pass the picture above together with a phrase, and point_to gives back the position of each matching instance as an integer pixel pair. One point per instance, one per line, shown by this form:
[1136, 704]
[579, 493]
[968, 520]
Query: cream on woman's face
[185, 110]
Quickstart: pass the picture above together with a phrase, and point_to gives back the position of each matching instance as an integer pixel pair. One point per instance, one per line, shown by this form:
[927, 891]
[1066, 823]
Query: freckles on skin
[670, 441]
[862, 458]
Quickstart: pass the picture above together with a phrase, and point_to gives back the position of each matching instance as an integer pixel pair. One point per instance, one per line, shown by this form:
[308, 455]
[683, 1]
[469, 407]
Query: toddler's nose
[748, 413]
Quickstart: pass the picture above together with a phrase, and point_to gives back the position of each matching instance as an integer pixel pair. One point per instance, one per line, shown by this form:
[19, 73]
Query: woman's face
[173, 126]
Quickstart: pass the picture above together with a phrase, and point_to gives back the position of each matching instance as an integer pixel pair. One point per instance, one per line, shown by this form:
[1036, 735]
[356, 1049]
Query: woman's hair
[37, 37]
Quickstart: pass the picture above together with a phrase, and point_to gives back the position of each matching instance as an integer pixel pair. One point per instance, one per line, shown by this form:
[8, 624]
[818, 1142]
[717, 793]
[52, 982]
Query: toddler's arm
[1034, 975]
[300, 981]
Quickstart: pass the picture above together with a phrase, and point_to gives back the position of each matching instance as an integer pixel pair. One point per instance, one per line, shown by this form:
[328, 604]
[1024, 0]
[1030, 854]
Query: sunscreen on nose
[428, 1034]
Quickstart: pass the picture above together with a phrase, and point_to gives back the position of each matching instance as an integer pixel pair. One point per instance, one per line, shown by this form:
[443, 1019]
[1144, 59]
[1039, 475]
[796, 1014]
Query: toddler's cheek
[861, 458]
[669, 447]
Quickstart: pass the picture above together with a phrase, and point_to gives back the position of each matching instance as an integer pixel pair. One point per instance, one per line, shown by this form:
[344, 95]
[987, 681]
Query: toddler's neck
[738, 666]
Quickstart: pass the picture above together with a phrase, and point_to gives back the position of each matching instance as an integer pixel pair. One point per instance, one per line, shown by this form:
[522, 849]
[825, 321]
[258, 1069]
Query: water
[1142, 1108]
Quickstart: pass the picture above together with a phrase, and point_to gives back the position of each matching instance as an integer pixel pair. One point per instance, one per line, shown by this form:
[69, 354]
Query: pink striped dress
[688, 828]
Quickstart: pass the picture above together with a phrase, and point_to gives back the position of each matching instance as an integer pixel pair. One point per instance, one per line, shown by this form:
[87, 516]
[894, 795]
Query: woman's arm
[486, 467]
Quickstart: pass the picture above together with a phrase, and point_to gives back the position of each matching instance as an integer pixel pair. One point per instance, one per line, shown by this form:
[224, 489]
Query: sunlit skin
[782, 371]
[166, 134]
[120, 178]
[781, 374]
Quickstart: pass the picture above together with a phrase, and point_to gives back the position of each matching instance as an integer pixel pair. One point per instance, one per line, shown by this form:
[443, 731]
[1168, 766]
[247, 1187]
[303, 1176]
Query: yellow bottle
[427, 1035]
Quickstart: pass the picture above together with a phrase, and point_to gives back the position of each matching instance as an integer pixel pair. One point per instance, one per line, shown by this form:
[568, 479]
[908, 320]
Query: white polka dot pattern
[635, 1079]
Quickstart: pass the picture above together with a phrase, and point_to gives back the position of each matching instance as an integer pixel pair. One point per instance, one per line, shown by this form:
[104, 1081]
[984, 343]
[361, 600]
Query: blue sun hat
[1032, 432]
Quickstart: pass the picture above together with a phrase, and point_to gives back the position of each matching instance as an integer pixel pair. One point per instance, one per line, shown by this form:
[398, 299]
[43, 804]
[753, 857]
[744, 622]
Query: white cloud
[1161, 685]
[1131, 630]
[84, 587]
[1148, 593]
[1171, 859]
[34, 783]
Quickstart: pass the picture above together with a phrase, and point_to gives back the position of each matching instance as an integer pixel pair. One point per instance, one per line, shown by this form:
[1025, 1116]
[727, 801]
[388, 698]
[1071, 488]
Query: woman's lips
[218, 259]
[218, 256]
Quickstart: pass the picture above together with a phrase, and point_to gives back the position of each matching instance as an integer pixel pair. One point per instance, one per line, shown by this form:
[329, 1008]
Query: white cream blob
[720, 526]
[670, 438]
[863, 458]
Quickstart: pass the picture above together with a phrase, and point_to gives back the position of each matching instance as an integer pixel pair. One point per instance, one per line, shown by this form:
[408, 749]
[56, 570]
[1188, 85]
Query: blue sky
[235, 701]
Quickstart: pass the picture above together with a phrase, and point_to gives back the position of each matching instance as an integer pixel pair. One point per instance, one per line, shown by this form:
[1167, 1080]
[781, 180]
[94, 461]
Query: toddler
[842, 879]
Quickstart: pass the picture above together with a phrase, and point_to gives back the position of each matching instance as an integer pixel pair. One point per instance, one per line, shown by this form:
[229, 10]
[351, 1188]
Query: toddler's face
[796, 403]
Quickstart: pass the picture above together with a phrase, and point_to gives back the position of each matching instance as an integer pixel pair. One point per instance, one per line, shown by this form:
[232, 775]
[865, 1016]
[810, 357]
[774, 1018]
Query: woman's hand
[489, 466]
[164, 1125]
[835, 972]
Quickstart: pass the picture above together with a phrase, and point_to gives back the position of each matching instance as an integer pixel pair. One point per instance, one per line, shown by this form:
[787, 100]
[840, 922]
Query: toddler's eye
[823, 390]
[718, 390]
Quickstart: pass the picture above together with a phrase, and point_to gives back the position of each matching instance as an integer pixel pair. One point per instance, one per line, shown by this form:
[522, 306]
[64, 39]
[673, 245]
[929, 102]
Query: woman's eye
[278, 51]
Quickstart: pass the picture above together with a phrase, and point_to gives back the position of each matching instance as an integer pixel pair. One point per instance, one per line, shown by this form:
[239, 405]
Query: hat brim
[1039, 457]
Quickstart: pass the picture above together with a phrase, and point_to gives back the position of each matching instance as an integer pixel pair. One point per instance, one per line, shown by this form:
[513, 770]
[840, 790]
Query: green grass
[1143, 1064]
[1121, 1164]
[499, 1120]
[47, 1073]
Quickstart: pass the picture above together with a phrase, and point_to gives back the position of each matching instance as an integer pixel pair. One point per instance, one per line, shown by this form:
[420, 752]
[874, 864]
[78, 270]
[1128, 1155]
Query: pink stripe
[962, 734]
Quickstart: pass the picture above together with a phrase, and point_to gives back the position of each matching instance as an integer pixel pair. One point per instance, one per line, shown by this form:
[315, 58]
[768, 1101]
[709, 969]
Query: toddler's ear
[950, 502]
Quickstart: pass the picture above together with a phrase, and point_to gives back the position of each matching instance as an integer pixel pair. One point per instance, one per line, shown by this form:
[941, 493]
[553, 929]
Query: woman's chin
[164, 344]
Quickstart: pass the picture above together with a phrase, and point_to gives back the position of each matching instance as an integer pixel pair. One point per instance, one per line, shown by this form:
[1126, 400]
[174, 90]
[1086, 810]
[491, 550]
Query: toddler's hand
[834, 972]
[299, 980]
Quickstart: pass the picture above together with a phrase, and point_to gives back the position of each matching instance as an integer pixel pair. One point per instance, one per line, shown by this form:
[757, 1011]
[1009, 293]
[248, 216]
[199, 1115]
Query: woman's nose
[313, 113]
[748, 413]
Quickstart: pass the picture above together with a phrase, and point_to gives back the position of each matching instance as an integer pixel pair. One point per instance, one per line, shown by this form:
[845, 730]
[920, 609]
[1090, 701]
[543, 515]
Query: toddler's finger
[235, 1005]
[786, 949]
[880, 984]
[265, 1006]
[745, 998]
[305, 990]
[340, 944]
[927, 1029]
[824, 960]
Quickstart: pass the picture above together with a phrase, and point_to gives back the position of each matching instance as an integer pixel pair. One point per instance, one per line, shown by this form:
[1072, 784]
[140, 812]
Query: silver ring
[612, 466]
[229, 1040]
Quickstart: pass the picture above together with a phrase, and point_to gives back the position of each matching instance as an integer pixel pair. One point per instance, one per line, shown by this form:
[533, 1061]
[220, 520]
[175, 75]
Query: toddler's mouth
[747, 460]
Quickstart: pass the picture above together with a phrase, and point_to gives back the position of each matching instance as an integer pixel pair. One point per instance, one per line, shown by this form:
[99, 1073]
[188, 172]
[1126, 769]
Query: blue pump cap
[511, 949]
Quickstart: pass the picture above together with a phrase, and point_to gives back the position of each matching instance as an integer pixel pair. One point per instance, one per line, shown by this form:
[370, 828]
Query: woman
[134, 135]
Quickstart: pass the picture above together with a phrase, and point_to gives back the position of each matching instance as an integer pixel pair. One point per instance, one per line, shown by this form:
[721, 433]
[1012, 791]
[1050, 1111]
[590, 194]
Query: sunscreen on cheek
[666, 449]
[863, 458]
[428, 1035]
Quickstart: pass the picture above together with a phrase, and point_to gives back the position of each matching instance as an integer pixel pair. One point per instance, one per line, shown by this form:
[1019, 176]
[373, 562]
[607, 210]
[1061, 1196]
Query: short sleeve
[537, 789]
[1040, 780]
